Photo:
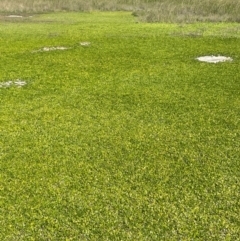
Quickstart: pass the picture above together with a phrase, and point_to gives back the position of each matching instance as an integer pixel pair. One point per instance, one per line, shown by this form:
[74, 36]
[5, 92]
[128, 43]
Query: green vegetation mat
[124, 135]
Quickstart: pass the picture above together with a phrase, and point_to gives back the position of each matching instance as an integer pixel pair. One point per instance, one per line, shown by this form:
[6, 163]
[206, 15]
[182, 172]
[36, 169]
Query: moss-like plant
[127, 138]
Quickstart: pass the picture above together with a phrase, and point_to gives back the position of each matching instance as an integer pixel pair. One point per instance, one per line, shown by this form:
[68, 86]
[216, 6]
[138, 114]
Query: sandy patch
[214, 59]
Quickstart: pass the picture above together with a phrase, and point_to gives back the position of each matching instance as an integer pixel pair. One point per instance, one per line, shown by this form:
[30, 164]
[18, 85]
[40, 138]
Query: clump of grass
[146, 10]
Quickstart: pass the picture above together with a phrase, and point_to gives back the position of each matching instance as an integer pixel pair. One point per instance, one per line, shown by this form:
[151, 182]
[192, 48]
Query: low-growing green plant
[127, 137]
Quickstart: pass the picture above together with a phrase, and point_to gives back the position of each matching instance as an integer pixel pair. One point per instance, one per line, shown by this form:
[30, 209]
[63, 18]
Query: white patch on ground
[19, 83]
[47, 49]
[214, 59]
[14, 16]
[85, 43]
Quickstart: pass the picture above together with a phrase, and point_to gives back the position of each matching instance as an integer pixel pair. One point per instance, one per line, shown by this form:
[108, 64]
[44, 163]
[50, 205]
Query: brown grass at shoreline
[145, 10]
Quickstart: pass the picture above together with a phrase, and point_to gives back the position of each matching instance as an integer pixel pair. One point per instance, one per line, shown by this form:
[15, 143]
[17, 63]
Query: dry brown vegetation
[191, 11]
[146, 10]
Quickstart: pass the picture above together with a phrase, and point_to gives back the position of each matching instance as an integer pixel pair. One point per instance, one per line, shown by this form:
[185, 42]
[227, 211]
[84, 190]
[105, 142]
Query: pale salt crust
[17, 82]
[46, 49]
[214, 59]
[14, 16]
[85, 43]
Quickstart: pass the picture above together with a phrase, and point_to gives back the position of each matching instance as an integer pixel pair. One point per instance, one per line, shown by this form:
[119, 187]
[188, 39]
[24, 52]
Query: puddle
[214, 59]
[19, 83]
